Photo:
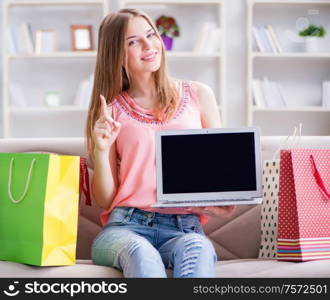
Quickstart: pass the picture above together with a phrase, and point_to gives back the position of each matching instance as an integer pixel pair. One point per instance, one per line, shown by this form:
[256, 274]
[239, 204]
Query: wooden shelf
[288, 2]
[172, 2]
[291, 55]
[58, 54]
[293, 109]
[186, 54]
[53, 2]
[43, 109]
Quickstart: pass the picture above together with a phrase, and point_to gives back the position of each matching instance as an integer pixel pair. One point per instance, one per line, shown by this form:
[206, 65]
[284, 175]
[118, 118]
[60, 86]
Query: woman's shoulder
[199, 92]
[194, 84]
[203, 93]
[197, 87]
[200, 88]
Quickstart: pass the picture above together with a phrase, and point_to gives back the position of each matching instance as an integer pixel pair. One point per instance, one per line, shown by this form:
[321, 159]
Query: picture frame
[81, 38]
[46, 41]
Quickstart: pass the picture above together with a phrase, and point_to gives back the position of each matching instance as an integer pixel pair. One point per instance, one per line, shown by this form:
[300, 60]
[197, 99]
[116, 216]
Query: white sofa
[236, 239]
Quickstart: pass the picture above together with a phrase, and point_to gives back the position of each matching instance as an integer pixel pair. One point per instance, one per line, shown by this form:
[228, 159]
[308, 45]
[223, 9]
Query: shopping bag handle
[318, 178]
[27, 183]
[295, 141]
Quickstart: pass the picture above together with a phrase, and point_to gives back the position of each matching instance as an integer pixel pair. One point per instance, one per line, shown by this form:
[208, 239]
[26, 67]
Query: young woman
[133, 97]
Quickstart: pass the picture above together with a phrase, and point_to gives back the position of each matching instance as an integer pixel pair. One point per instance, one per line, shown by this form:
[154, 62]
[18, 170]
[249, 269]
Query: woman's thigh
[127, 251]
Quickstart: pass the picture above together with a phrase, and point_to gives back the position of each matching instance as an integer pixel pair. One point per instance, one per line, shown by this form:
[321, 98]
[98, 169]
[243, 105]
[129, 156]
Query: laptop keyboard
[202, 203]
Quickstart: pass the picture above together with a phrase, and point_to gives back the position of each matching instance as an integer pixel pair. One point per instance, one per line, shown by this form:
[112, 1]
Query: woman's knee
[128, 252]
[194, 244]
[196, 256]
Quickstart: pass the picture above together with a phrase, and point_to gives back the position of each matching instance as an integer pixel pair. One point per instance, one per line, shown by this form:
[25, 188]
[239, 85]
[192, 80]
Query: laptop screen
[203, 163]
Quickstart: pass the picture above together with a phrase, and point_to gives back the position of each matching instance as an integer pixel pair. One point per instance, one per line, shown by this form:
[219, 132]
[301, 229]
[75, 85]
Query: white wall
[236, 48]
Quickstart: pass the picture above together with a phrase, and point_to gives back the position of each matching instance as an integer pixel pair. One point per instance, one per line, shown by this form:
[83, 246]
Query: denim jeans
[144, 244]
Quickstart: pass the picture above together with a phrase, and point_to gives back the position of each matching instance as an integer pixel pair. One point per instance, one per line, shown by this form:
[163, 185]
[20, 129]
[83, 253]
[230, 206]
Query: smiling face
[144, 48]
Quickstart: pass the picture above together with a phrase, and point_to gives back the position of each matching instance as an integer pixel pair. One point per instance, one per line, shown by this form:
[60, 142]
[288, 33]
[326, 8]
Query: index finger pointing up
[104, 109]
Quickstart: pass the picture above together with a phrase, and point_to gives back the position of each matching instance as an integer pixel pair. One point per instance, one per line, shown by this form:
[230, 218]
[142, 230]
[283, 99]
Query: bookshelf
[297, 73]
[184, 60]
[61, 70]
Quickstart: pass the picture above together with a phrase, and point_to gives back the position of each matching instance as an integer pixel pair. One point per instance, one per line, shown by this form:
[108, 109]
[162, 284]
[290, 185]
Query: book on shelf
[266, 39]
[267, 93]
[213, 41]
[274, 38]
[46, 41]
[269, 39]
[258, 96]
[208, 39]
[84, 92]
[27, 35]
[281, 94]
[272, 94]
[11, 41]
[20, 39]
[326, 94]
[17, 96]
[258, 41]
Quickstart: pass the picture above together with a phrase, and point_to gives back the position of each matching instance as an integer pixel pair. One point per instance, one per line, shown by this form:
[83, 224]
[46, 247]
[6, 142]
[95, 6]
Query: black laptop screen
[203, 163]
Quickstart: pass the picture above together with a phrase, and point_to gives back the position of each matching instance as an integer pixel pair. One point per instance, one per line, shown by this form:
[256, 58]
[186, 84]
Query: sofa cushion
[270, 268]
[82, 268]
[237, 236]
[237, 268]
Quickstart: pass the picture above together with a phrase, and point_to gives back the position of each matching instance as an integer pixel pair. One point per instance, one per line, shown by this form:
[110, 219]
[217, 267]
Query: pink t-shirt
[135, 147]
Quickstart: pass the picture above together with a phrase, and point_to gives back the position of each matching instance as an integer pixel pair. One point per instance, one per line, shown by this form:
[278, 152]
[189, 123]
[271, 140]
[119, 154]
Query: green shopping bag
[39, 196]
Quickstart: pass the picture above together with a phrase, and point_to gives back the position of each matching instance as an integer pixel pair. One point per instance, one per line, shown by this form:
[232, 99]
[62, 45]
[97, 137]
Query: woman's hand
[106, 129]
[213, 211]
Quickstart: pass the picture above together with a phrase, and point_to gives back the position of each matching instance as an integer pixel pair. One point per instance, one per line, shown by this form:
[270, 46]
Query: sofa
[236, 238]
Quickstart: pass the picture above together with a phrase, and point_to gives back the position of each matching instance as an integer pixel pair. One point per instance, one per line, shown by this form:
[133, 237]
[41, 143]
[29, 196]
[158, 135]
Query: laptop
[208, 167]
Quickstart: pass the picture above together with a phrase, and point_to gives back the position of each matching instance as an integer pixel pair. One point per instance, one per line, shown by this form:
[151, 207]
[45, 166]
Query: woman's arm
[105, 179]
[210, 118]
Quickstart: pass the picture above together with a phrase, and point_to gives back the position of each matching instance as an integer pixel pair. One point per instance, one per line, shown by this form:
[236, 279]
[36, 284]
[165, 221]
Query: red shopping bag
[84, 181]
[304, 205]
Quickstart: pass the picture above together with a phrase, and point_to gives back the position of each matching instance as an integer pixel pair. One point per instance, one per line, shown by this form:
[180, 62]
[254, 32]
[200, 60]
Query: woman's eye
[132, 42]
[150, 35]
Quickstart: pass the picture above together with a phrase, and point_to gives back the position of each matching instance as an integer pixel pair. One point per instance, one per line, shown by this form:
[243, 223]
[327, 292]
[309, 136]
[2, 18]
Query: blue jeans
[144, 244]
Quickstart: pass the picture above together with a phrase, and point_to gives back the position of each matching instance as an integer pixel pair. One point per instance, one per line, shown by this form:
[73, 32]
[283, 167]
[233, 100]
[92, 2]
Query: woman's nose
[147, 43]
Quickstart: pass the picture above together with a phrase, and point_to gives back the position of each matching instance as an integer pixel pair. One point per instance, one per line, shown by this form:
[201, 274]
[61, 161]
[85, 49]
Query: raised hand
[106, 129]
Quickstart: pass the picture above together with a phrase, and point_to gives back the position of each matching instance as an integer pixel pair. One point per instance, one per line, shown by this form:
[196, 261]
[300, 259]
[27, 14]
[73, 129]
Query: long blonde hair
[110, 75]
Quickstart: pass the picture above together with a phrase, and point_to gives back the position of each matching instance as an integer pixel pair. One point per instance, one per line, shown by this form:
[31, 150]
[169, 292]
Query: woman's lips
[150, 57]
